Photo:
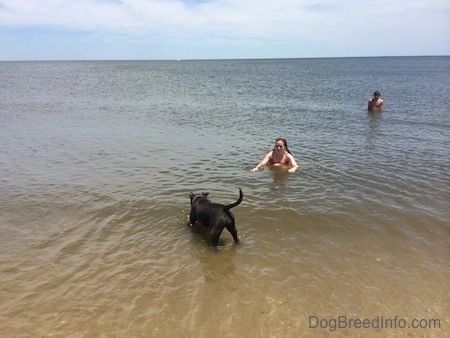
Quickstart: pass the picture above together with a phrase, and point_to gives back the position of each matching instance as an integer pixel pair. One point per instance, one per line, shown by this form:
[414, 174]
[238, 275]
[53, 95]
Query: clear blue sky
[221, 29]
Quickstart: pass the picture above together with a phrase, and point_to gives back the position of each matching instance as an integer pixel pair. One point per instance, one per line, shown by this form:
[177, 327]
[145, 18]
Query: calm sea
[97, 160]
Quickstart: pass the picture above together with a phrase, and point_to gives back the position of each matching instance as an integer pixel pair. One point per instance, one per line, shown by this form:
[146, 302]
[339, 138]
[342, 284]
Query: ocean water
[97, 160]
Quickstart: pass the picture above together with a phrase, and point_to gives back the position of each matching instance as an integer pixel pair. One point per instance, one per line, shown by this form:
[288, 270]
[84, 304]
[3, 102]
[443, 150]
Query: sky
[221, 29]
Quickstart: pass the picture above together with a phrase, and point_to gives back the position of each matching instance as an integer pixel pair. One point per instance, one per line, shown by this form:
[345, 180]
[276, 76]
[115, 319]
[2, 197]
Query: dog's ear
[205, 194]
[191, 195]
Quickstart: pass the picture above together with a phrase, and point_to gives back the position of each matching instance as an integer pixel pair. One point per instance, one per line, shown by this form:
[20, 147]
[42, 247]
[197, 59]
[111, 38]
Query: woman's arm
[293, 163]
[265, 160]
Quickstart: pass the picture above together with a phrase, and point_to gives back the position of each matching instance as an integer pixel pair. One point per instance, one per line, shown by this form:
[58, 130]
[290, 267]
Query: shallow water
[98, 159]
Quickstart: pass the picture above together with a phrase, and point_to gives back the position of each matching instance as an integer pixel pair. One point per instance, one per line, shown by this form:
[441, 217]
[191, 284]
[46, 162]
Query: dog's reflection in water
[218, 268]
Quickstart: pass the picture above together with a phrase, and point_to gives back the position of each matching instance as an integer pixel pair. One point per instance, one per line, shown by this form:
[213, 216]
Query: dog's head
[194, 197]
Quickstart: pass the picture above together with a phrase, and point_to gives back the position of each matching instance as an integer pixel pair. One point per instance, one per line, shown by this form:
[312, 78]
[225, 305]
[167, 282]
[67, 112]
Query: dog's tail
[241, 196]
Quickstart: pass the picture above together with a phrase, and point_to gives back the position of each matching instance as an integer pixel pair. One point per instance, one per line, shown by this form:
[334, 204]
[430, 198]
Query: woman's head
[281, 144]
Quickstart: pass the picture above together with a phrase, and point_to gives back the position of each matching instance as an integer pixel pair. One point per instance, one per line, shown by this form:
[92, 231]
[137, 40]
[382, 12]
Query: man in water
[375, 103]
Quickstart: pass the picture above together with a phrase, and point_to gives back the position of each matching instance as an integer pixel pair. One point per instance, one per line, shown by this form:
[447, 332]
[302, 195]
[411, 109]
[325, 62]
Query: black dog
[213, 216]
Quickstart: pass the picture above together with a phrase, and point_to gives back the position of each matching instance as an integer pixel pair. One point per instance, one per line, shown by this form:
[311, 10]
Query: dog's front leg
[192, 218]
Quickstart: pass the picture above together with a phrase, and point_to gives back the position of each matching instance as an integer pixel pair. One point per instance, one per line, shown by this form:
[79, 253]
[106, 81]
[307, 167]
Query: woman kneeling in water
[279, 156]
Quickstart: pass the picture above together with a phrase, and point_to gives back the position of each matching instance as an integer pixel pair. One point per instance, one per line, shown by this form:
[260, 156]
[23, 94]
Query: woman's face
[279, 145]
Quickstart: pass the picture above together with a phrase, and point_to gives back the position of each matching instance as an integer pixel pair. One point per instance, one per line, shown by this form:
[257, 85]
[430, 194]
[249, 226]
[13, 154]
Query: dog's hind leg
[232, 229]
[214, 235]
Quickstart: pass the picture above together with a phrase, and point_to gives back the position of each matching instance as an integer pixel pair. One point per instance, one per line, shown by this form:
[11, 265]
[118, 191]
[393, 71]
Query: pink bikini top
[279, 158]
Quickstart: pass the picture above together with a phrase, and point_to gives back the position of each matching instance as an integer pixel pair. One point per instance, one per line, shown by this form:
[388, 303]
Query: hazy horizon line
[226, 59]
